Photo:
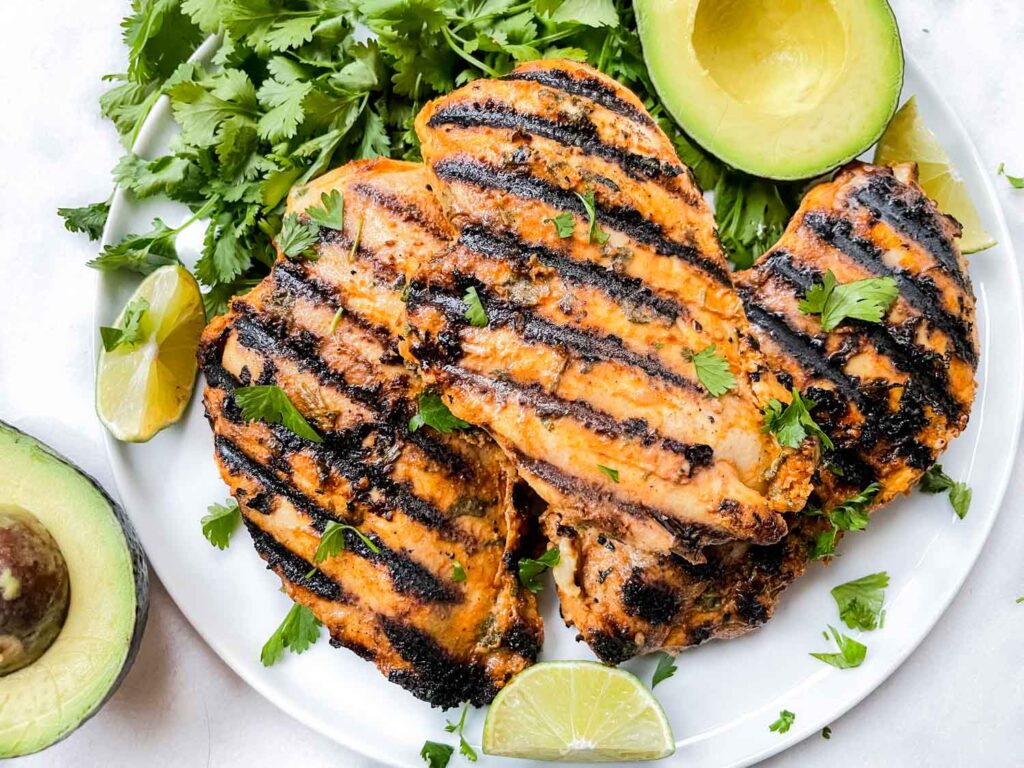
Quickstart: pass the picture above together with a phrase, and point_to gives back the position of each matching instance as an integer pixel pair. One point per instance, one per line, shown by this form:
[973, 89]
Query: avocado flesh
[786, 89]
[46, 700]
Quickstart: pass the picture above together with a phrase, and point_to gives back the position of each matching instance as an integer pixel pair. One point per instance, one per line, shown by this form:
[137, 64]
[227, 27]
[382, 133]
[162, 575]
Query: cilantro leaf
[89, 219]
[783, 724]
[850, 515]
[612, 473]
[297, 238]
[851, 653]
[458, 572]
[866, 300]
[665, 669]
[270, 403]
[712, 370]
[594, 233]
[1017, 182]
[220, 522]
[530, 570]
[565, 224]
[937, 481]
[434, 413]
[331, 211]
[140, 253]
[826, 733]
[332, 541]
[436, 755]
[475, 313]
[130, 332]
[792, 423]
[299, 630]
[860, 601]
[464, 748]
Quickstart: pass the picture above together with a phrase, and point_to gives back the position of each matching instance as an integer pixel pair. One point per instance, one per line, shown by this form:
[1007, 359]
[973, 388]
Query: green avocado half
[74, 593]
[785, 89]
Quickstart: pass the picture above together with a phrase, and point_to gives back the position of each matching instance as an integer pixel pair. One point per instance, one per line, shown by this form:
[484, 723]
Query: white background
[958, 701]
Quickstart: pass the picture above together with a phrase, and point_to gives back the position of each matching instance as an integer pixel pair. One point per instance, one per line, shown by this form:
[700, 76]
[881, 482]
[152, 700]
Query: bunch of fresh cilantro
[298, 87]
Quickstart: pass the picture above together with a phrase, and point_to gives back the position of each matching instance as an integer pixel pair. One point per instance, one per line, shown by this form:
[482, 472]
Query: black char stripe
[910, 214]
[628, 221]
[588, 87]
[407, 576]
[920, 292]
[623, 288]
[547, 405]
[293, 568]
[580, 132]
[533, 329]
[406, 210]
[434, 675]
[693, 536]
[925, 365]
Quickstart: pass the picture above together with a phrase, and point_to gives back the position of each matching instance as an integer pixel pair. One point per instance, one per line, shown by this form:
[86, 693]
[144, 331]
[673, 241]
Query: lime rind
[577, 711]
[908, 139]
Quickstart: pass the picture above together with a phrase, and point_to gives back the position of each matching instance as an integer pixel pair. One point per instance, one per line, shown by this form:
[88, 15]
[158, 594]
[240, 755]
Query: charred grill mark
[587, 87]
[910, 214]
[656, 603]
[408, 577]
[547, 405]
[610, 648]
[291, 278]
[434, 675]
[401, 208]
[293, 568]
[918, 291]
[692, 535]
[628, 221]
[899, 346]
[533, 329]
[579, 132]
[509, 248]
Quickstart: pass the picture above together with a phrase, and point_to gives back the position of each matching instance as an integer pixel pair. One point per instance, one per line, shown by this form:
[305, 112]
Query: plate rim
[152, 125]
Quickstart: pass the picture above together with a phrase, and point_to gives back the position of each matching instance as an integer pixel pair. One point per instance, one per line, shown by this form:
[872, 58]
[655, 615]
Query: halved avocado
[786, 89]
[73, 598]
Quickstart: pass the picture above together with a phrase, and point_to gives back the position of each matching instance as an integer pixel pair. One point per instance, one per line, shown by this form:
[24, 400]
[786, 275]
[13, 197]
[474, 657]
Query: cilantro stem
[505, 12]
[451, 40]
[207, 207]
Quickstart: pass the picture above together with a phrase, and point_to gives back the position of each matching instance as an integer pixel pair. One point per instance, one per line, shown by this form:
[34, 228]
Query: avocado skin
[140, 568]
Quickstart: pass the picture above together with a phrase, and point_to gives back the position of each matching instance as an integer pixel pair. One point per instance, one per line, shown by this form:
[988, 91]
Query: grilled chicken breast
[327, 332]
[890, 396]
[582, 372]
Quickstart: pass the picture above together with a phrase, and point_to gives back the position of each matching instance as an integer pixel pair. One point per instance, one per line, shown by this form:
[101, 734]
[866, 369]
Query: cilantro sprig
[270, 403]
[937, 481]
[712, 370]
[129, 332]
[866, 300]
[434, 413]
[860, 601]
[332, 542]
[665, 669]
[457, 727]
[851, 515]
[530, 569]
[594, 232]
[792, 423]
[298, 632]
[220, 523]
[851, 653]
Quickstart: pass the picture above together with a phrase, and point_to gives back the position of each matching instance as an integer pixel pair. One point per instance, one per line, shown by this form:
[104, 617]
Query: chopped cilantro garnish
[270, 403]
[792, 423]
[564, 223]
[594, 233]
[866, 300]
[665, 669]
[458, 572]
[851, 515]
[475, 313]
[434, 413]
[130, 332]
[530, 570]
[851, 653]
[1017, 182]
[937, 481]
[220, 522]
[784, 722]
[712, 370]
[331, 211]
[436, 755]
[297, 238]
[860, 601]
[299, 630]
[612, 473]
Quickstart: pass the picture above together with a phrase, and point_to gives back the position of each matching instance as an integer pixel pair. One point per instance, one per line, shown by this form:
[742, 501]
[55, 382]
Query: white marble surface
[958, 701]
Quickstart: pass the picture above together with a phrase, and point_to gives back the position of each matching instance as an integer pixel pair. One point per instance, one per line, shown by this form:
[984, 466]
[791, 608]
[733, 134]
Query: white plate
[725, 694]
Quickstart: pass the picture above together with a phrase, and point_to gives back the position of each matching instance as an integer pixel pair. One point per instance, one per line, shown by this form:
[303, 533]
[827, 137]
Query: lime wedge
[145, 386]
[908, 139]
[577, 711]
